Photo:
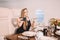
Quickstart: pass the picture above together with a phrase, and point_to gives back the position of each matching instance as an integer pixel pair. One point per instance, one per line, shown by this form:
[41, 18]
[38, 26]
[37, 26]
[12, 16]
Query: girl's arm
[19, 22]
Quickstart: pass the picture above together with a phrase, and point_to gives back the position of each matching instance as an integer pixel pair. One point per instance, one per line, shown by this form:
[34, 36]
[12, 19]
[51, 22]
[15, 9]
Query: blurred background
[11, 9]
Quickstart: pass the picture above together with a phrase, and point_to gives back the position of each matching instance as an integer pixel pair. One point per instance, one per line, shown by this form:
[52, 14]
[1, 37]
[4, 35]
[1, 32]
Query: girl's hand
[27, 18]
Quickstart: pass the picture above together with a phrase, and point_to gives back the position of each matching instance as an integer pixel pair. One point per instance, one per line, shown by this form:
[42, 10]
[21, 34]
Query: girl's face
[25, 13]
